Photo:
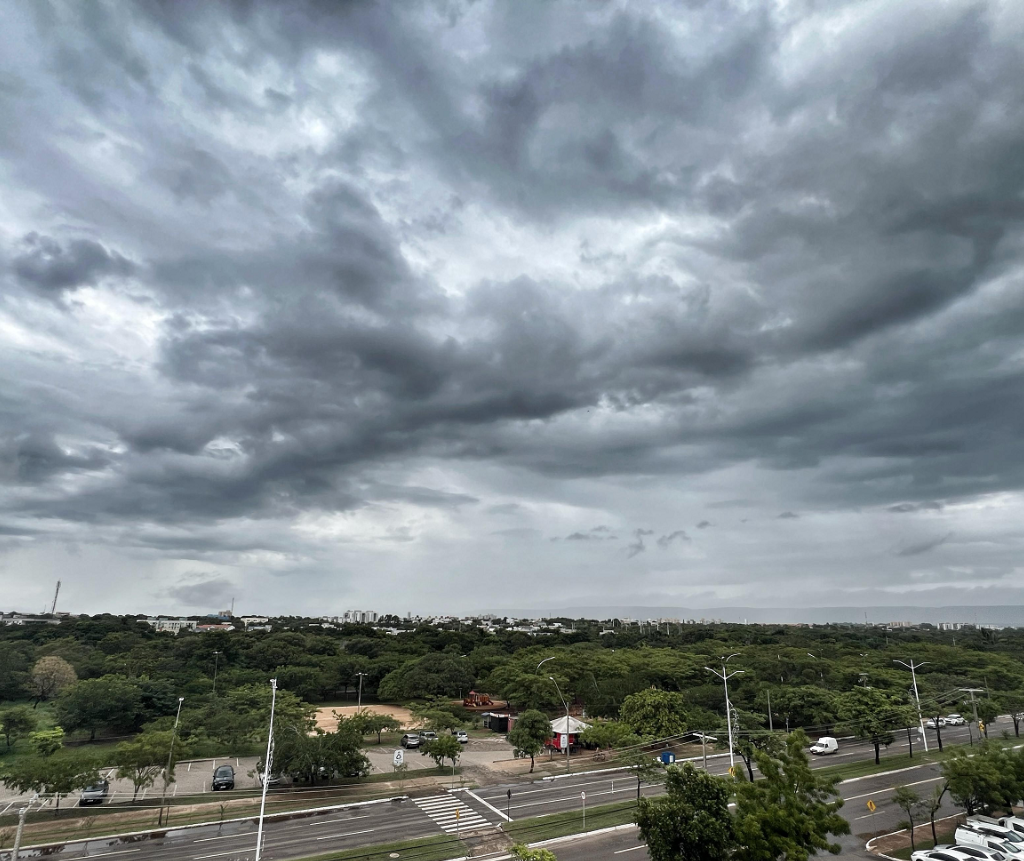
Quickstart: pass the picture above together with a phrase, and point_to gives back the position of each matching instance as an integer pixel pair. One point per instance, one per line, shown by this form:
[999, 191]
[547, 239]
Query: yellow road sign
[871, 805]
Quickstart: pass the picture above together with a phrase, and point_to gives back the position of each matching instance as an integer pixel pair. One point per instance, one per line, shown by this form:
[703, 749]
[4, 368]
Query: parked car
[223, 777]
[273, 780]
[1014, 822]
[427, 736]
[95, 794]
[982, 852]
[825, 746]
[943, 853]
[461, 735]
[982, 831]
[934, 723]
[411, 739]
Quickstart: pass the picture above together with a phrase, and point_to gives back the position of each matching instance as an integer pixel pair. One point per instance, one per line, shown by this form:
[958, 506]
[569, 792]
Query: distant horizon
[971, 614]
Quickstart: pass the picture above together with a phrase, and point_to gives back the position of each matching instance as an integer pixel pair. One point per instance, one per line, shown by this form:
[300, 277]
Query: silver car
[95, 794]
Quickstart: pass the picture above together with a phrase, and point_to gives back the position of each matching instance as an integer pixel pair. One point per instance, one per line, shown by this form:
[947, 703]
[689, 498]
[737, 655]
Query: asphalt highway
[487, 807]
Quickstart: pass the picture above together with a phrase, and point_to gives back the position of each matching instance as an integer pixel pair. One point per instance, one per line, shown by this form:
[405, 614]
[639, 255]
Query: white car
[954, 720]
[981, 852]
[461, 735]
[933, 723]
[942, 853]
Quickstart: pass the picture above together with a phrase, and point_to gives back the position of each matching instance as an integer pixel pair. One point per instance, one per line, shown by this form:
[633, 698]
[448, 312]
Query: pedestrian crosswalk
[451, 814]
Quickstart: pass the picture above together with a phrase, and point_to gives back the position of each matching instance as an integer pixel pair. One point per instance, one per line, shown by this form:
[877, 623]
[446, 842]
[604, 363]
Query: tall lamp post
[568, 768]
[724, 676]
[267, 762]
[170, 755]
[913, 674]
[216, 663]
[359, 700]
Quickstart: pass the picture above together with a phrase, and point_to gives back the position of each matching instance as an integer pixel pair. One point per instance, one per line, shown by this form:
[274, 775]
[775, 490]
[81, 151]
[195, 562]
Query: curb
[158, 832]
[867, 846]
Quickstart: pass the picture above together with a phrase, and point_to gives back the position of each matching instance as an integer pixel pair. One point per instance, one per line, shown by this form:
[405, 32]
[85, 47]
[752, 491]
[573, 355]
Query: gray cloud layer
[310, 291]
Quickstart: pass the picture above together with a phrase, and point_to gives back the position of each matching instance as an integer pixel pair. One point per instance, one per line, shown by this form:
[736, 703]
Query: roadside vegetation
[105, 692]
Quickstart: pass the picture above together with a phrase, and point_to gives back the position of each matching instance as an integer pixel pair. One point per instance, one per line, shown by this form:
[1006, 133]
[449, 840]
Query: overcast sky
[452, 306]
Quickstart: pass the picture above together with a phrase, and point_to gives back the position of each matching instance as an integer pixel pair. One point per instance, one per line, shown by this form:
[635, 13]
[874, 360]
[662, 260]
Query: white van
[824, 746]
[1014, 822]
[992, 836]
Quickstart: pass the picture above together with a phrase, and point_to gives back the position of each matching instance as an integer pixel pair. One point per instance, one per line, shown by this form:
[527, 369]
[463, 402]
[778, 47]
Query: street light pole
[913, 674]
[359, 701]
[728, 709]
[216, 662]
[268, 760]
[21, 826]
[568, 769]
[170, 754]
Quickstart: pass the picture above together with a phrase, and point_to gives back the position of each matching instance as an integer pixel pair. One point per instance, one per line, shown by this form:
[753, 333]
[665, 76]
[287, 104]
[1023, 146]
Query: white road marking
[631, 849]
[349, 834]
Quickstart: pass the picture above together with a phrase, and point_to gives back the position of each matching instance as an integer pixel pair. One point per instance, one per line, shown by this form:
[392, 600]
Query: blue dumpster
[667, 757]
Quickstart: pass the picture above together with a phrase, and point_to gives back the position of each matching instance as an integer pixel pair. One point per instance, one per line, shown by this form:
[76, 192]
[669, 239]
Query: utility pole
[53, 609]
[974, 705]
[359, 701]
[267, 762]
[170, 755]
[728, 711]
[771, 727]
[216, 662]
[913, 674]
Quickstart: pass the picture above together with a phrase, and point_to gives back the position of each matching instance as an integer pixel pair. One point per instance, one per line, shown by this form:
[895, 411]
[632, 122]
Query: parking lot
[193, 777]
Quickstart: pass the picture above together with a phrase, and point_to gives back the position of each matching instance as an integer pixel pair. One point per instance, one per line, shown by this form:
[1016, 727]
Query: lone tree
[49, 676]
[441, 748]
[380, 724]
[142, 759]
[16, 722]
[654, 713]
[932, 804]
[874, 715]
[790, 812]
[910, 803]
[691, 821]
[52, 775]
[529, 734]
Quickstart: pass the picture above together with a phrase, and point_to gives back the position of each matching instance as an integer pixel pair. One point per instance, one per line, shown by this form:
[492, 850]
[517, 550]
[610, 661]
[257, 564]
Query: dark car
[223, 777]
[95, 793]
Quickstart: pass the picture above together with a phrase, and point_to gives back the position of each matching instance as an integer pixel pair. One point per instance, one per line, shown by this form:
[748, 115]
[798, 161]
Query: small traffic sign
[871, 806]
[583, 795]
[399, 757]
[508, 794]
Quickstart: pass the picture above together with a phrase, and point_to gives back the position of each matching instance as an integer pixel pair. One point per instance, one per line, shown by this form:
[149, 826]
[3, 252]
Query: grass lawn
[559, 824]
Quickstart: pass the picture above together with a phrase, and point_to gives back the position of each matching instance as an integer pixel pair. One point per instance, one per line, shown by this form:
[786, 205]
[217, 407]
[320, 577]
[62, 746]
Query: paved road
[485, 808]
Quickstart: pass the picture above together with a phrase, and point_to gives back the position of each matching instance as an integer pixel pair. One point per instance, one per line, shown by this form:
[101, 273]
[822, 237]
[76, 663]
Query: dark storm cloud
[678, 535]
[202, 590]
[336, 241]
[44, 264]
[788, 515]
